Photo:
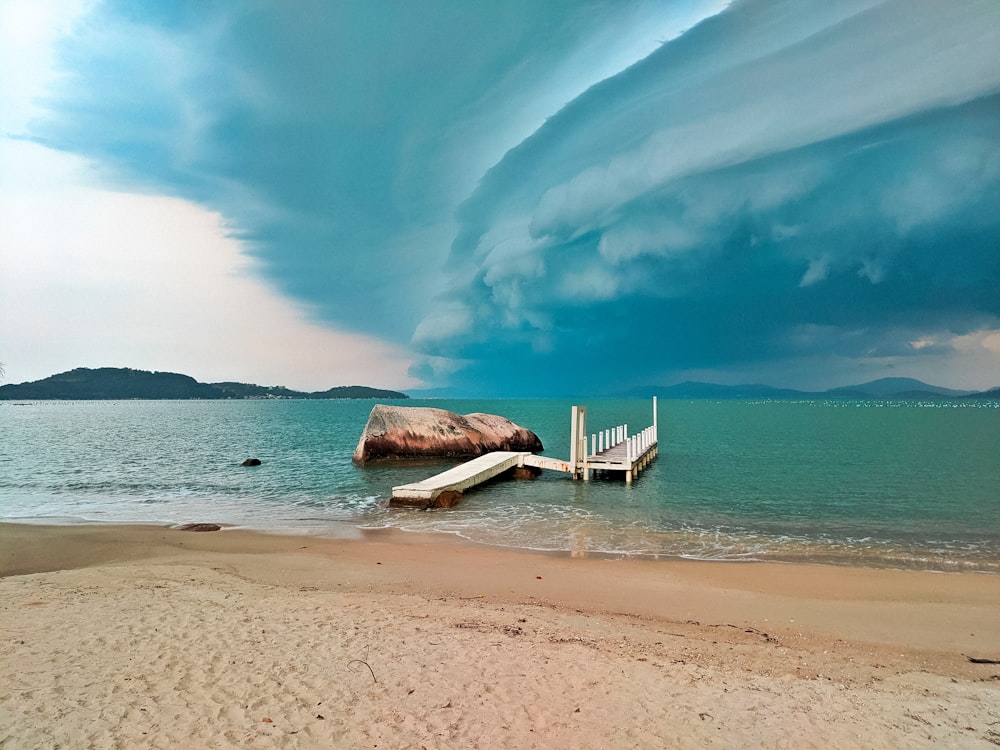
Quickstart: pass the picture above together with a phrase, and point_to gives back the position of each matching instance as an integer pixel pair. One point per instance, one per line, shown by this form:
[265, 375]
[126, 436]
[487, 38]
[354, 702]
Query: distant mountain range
[883, 388]
[116, 383]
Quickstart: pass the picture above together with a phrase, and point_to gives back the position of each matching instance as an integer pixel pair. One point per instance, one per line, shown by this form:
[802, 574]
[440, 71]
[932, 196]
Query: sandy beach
[124, 636]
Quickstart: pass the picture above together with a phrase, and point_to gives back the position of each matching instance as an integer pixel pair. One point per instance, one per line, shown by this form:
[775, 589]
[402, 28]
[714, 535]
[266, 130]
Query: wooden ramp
[453, 482]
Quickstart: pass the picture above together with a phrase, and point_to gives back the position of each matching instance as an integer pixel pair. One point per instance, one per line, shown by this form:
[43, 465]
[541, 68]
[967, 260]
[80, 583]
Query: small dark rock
[251, 462]
[200, 527]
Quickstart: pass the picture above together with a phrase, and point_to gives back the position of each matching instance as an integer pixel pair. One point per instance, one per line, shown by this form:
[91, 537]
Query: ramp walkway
[458, 479]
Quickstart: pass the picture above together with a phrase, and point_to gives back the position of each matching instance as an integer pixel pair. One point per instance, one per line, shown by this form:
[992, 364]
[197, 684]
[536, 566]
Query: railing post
[574, 442]
[578, 442]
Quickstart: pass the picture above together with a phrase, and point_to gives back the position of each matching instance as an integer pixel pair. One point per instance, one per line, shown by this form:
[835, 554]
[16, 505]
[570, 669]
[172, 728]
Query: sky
[515, 198]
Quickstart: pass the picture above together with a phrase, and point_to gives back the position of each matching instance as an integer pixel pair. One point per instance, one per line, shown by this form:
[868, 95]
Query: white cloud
[873, 269]
[968, 361]
[924, 342]
[90, 277]
[985, 342]
[939, 56]
[592, 283]
[28, 30]
[602, 46]
[447, 321]
[969, 166]
[625, 242]
[819, 269]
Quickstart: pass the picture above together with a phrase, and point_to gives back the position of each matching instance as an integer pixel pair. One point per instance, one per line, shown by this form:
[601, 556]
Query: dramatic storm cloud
[788, 184]
[518, 197]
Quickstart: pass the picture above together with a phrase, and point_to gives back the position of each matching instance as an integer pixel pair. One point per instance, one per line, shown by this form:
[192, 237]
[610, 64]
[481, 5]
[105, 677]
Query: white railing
[635, 445]
[608, 439]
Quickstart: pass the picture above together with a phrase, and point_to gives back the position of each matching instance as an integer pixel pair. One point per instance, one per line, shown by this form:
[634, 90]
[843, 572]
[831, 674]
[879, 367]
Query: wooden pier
[608, 451]
[611, 450]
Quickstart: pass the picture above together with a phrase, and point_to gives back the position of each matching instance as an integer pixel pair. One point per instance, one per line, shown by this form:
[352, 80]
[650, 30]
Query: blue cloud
[789, 180]
[722, 203]
[336, 138]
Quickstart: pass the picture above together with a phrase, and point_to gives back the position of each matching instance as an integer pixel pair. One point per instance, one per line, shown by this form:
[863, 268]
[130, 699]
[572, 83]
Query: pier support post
[578, 443]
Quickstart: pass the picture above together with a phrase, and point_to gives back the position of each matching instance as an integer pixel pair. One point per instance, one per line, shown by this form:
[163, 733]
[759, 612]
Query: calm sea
[884, 483]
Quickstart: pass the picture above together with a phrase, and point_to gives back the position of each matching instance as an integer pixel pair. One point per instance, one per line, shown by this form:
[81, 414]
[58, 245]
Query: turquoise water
[900, 484]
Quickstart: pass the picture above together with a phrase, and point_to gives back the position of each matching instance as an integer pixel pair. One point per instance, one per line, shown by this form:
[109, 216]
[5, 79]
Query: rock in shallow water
[399, 432]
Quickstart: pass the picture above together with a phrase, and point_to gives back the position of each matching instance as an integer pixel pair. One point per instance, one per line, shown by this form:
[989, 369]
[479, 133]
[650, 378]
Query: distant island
[119, 383]
[891, 389]
[883, 388]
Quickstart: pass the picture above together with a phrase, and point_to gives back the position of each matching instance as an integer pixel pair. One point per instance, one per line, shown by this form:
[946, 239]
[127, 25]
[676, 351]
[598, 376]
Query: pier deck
[617, 458]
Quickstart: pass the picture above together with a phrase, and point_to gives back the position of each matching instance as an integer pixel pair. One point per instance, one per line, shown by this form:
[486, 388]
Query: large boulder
[395, 432]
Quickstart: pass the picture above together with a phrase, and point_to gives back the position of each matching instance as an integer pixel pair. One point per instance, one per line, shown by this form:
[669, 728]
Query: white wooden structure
[611, 450]
[461, 477]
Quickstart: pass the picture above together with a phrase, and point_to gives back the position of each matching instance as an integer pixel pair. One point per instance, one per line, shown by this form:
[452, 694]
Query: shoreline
[828, 655]
[815, 554]
[451, 564]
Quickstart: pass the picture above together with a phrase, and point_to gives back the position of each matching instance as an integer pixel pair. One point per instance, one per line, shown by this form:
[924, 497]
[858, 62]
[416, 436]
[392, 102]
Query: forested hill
[116, 383]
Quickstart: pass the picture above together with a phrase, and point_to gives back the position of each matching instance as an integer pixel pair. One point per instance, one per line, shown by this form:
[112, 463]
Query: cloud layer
[568, 197]
[338, 137]
[786, 182]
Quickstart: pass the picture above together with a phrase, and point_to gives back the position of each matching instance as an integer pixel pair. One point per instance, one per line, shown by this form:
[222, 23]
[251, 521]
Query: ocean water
[878, 483]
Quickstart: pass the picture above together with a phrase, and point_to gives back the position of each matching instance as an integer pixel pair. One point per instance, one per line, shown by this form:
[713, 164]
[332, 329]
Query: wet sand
[125, 635]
